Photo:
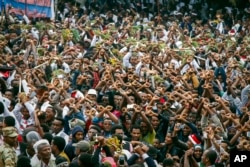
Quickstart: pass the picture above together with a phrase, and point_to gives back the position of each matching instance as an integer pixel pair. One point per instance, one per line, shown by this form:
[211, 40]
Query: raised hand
[177, 127]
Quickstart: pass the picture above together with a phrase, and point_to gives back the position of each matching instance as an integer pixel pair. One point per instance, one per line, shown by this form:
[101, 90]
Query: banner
[32, 8]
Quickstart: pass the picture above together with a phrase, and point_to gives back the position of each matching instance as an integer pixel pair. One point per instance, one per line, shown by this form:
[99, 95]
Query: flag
[5, 71]
[4, 74]
[32, 8]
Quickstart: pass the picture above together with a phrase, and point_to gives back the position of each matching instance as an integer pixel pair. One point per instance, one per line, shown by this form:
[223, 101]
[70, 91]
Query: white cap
[77, 94]
[38, 143]
[45, 105]
[178, 44]
[92, 92]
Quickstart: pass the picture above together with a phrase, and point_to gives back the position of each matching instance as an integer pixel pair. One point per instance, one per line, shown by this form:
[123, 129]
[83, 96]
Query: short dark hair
[60, 119]
[48, 136]
[168, 162]
[9, 121]
[45, 128]
[135, 126]
[85, 158]
[125, 117]
[53, 109]
[1, 119]
[219, 165]
[80, 43]
[96, 127]
[61, 160]
[23, 161]
[59, 142]
[1, 108]
[211, 155]
[113, 129]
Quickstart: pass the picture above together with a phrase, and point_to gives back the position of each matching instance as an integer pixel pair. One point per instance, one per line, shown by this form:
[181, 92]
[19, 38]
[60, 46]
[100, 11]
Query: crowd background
[126, 83]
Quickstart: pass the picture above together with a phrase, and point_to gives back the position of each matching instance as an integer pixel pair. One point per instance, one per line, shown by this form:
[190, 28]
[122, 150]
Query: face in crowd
[57, 126]
[44, 152]
[117, 100]
[107, 125]
[68, 59]
[136, 134]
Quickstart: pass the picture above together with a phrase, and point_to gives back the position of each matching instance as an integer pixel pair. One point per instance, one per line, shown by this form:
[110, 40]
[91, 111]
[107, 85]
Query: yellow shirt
[149, 138]
[64, 155]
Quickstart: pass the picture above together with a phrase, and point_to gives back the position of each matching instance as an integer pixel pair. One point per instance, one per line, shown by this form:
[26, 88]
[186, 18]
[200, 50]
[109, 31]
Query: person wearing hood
[76, 136]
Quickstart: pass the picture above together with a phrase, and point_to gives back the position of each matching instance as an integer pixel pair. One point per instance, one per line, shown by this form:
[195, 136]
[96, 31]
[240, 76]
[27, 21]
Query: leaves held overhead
[158, 79]
[115, 143]
[117, 54]
[131, 40]
[113, 61]
[105, 35]
[40, 26]
[162, 46]
[41, 51]
[67, 34]
[195, 44]
[26, 26]
[76, 35]
[58, 72]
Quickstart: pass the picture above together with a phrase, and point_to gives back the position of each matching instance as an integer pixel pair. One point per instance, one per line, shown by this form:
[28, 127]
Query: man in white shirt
[43, 151]
[57, 129]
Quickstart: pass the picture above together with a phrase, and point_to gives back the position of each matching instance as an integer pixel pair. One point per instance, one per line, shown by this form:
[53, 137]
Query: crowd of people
[126, 84]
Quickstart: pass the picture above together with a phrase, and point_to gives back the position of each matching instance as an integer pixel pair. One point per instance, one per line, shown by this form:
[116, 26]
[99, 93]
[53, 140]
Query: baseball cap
[83, 145]
[92, 92]
[75, 121]
[10, 132]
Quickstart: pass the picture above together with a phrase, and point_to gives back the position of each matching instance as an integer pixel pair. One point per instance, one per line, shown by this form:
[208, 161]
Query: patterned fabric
[96, 79]
[26, 123]
[8, 156]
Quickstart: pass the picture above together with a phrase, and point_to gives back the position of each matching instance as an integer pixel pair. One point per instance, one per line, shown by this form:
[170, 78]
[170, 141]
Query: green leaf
[162, 45]
[40, 26]
[157, 78]
[76, 35]
[136, 28]
[195, 44]
[58, 72]
[131, 40]
[40, 51]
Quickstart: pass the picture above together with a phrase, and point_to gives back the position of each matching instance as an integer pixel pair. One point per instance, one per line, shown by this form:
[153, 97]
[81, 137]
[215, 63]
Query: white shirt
[35, 162]
[63, 135]
[17, 150]
[187, 66]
